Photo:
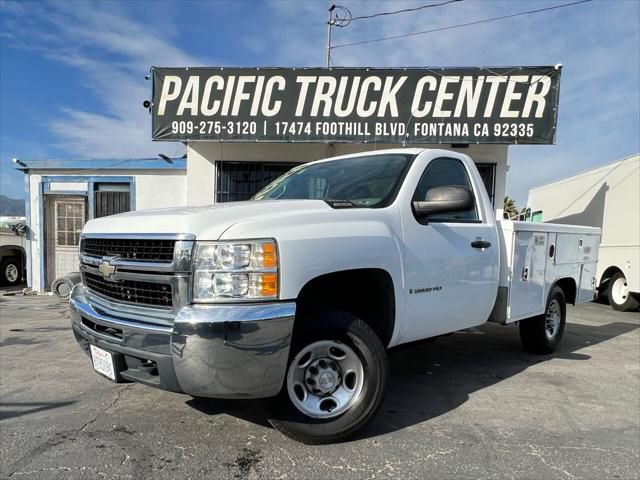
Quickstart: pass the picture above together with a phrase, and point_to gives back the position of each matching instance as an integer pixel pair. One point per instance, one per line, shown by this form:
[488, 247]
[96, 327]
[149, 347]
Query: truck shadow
[431, 378]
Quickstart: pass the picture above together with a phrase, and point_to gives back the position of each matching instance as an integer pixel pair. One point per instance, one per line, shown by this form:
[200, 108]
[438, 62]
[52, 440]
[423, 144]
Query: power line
[406, 10]
[451, 27]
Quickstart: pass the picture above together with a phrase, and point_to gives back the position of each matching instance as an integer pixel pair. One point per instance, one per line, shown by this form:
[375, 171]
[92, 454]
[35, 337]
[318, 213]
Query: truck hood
[206, 222]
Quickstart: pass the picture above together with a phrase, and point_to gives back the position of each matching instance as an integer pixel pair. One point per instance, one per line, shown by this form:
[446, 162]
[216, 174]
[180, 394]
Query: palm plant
[510, 208]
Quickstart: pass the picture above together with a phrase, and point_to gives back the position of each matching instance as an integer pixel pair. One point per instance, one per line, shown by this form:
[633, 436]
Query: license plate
[103, 362]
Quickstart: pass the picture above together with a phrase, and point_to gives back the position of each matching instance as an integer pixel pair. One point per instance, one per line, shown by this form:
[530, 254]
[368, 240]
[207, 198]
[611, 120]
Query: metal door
[65, 217]
[527, 285]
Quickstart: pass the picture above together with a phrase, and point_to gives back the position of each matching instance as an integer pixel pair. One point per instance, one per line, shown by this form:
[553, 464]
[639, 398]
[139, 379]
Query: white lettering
[388, 98]
[167, 94]
[240, 93]
[206, 95]
[444, 96]
[368, 82]
[268, 111]
[538, 98]
[304, 88]
[324, 90]
[351, 99]
[227, 95]
[189, 99]
[511, 95]
[495, 84]
[255, 104]
[417, 110]
[469, 96]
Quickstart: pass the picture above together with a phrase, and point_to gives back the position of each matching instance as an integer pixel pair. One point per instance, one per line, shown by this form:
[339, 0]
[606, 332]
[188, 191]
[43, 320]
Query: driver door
[449, 284]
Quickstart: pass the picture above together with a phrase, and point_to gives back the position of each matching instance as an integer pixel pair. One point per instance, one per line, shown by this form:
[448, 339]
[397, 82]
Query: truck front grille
[134, 249]
[131, 291]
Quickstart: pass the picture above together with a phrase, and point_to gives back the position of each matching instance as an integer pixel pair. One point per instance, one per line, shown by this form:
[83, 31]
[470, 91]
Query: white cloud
[113, 53]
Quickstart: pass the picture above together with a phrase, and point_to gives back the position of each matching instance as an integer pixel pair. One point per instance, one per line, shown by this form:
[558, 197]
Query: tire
[10, 271]
[542, 334]
[620, 298]
[350, 364]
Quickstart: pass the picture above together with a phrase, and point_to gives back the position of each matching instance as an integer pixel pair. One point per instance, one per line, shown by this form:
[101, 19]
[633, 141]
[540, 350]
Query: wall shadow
[593, 213]
[431, 378]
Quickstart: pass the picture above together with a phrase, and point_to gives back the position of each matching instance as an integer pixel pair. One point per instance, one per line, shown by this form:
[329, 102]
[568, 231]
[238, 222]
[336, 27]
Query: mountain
[12, 207]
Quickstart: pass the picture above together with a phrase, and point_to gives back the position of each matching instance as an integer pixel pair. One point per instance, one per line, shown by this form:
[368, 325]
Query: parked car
[295, 296]
[12, 250]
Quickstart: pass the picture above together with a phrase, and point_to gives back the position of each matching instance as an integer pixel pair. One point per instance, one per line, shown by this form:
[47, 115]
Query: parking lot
[471, 405]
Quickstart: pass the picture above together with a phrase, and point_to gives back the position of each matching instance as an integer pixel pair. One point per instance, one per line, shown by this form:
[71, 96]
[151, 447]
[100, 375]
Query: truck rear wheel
[620, 298]
[10, 271]
[335, 382]
[542, 334]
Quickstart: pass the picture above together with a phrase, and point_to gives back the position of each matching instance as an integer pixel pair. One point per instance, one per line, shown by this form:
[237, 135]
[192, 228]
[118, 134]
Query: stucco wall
[153, 189]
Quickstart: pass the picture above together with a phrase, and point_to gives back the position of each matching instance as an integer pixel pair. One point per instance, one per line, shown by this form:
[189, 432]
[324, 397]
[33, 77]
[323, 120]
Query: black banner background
[525, 115]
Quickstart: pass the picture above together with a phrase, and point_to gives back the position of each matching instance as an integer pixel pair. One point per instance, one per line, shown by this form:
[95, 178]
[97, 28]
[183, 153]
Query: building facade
[61, 195]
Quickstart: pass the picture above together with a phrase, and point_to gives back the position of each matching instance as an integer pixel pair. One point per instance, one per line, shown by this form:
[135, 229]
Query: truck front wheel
[335, 381]
[542, 334]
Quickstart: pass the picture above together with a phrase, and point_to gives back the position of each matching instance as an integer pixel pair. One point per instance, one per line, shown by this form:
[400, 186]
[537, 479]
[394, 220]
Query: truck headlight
[226, 271]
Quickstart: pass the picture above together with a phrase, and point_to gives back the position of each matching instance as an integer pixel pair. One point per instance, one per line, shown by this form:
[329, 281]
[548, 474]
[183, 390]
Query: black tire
[10, 271]
[603, 292]
[624, 304]
[349, 330]
[535, 336]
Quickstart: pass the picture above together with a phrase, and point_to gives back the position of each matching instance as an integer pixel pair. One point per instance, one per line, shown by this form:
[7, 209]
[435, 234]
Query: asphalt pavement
[471, 405]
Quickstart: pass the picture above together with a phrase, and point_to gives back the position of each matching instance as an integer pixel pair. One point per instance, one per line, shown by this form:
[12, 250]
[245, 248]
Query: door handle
[480, 244]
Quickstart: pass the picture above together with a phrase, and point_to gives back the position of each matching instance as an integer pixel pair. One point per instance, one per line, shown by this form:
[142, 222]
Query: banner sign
[356, 105]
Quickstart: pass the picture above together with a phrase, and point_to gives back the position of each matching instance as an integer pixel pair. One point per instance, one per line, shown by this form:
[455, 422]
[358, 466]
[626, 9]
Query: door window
[69, 223]
[488, 175]
[445, 172]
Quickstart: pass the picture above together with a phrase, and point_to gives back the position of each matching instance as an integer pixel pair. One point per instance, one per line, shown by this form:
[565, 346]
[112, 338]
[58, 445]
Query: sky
[72, 74]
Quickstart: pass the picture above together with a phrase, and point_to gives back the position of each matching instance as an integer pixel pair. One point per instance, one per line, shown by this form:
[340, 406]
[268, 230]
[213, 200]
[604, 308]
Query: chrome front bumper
[223, 351]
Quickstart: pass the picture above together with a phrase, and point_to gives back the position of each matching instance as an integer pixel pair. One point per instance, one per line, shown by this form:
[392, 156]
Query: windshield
[367, 181]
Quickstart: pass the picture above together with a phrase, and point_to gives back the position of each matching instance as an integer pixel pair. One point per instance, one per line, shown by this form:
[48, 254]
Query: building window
[112, 198]
[236, 181]
[488, 175]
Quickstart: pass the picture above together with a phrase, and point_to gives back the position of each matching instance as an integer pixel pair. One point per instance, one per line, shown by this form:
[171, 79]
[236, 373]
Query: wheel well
[568, 286]
[606, 276]
[367, 293]
[17, 252]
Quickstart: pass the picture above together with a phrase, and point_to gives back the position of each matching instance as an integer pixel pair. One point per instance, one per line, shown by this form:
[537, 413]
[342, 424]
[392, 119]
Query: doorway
[65, 216]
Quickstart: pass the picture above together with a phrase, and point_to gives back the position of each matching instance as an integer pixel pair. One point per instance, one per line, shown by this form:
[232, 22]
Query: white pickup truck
[13, 245]
[295, 296]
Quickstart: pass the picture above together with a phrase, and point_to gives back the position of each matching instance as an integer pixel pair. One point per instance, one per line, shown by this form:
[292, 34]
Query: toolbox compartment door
[527, 283]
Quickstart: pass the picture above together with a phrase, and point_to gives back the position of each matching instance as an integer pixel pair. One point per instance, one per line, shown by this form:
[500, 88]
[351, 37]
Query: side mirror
[443, 199]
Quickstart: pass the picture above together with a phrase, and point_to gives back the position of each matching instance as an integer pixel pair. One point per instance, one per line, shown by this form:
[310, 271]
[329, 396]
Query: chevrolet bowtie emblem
[106, 269]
